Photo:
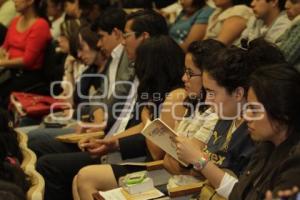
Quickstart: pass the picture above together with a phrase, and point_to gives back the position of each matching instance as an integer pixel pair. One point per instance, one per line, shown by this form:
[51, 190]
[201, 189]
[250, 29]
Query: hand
[87, 128]
[3, 54]
[99, 147]
[173, 166]
[282, 193]
[187, 150]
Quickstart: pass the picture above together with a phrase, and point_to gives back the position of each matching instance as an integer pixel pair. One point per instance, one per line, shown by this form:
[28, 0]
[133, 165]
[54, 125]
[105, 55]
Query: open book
[162, 135]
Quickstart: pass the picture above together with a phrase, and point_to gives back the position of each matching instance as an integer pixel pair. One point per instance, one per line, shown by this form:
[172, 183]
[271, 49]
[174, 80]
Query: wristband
[200, 163]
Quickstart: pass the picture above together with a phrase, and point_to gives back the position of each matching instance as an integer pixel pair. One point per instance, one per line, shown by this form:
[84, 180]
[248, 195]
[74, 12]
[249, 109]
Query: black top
[271, 168]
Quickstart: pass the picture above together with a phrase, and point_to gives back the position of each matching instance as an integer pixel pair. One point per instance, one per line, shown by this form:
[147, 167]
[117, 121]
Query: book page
[120, 194]
[162, 135]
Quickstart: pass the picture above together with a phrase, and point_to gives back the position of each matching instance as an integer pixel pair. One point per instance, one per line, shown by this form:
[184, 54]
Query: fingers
[91, 143]
[288, 193]
[269, 195]
[282, 193]
[82, 142]
[97, 151]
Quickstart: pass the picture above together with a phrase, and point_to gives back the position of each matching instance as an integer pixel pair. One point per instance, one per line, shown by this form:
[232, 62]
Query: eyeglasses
[189, 73]
[126, 35]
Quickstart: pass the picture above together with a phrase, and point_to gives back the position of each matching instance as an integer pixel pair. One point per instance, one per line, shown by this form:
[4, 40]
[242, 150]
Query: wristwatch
[200, 163]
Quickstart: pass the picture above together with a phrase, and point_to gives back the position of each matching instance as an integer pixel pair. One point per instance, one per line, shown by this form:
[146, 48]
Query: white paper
[163, 136]
[117, 194]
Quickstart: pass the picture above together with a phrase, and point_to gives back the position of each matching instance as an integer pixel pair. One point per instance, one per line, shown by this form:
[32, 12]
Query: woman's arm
[232, 29]
[196, 33]
[12, 63]
[189, 153]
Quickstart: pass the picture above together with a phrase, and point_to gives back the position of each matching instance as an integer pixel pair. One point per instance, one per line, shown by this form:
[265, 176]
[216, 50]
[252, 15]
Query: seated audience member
[7, 12]
[228, 21]
[191, 23]
[164, 74]
[269, 22]
[192, 155]
[73, 67]
[43, 141]
[273, 121]
[225, 79]
[56, 15]
[24, 47]
[98, 7]
[139, 27]
[200, 119]
[289, 41]
[83, 9]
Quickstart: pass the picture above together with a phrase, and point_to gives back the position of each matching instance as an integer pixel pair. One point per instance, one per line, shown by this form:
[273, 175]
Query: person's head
[159, 67]
[87, 50]
[37, 6]
[229, 3]
[55, 8]
[141, 25]
[190, 6]
[1, 2]
[273, 103]
[198, 54]
[97, 8]
[262, 52]
[68, 40]
[263, 9]
[225, 80]
[109, 27]
[78, 8]
[292, 8]
[72, 8]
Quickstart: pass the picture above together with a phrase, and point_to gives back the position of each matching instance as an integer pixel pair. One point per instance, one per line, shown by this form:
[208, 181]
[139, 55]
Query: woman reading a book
[273, 121]
[199, 119]
[159, 68]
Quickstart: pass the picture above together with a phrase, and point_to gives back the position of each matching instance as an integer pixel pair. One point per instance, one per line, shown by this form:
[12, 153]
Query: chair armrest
[154, 165]
[185, 190]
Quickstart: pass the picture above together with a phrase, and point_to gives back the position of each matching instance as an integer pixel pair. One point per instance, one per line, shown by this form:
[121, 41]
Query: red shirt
[30, 44]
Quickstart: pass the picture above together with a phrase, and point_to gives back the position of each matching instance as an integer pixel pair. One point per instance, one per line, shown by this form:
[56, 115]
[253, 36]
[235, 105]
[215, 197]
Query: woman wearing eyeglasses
[200, 119]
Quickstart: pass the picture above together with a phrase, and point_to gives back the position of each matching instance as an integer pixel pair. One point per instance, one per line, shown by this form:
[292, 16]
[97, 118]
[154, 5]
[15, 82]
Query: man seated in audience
[289, 41]
[117, 68]
[139, 26]
[269, 22]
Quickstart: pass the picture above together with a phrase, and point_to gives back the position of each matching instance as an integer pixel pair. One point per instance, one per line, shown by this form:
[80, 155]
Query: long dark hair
[202, 52]
[277, 88]
[159, 68]
[8, 138]
[70, 29]
[40, 7]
